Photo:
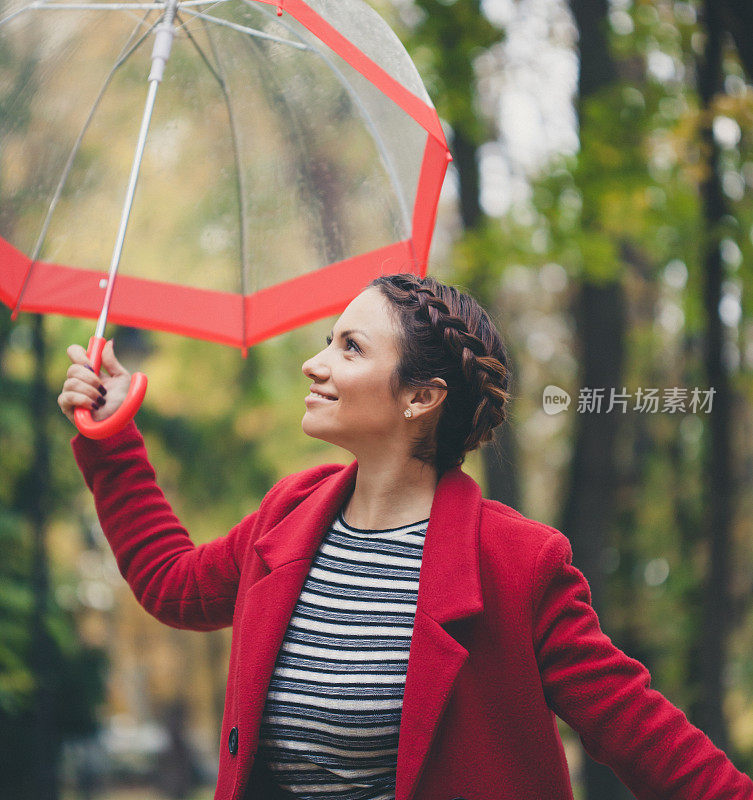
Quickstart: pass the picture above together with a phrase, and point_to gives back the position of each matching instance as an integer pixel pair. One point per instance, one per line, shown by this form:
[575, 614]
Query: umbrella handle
[124, 413]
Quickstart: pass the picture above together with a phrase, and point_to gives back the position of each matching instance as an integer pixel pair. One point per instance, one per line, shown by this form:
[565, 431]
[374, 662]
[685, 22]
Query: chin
[310, 428]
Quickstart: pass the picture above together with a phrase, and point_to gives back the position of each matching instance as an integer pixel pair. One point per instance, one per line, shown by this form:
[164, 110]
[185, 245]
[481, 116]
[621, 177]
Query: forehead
[370, 312]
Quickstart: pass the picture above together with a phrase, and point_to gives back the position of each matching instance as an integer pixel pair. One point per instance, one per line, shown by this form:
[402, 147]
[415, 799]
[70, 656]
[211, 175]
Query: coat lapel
[299, 533]
[449, 591]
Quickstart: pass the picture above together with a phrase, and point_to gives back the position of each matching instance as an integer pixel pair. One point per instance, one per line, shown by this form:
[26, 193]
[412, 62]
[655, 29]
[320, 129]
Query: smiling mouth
[316, 396]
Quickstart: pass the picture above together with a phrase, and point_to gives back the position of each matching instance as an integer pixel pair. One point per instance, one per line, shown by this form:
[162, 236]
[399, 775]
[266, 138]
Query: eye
[348, 343]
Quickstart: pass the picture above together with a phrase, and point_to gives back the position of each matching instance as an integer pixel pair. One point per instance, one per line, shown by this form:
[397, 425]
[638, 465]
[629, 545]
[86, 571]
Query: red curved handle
[86, 424]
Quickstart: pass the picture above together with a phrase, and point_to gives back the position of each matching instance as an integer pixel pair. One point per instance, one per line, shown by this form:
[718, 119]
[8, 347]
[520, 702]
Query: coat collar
[449, 585]
[449, 591]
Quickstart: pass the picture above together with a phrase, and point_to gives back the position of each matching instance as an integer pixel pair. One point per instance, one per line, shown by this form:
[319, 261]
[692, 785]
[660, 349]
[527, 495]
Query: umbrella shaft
[117, 251]
[163, 41]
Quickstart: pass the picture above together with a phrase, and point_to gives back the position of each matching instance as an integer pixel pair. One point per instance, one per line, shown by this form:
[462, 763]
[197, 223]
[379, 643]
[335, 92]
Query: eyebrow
[348, 333]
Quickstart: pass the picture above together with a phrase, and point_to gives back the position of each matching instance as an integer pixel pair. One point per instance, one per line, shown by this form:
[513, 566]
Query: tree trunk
[597, 67]
[465, 158]
[45, 777]
[589, 510]
[720, 489]
[738, 20]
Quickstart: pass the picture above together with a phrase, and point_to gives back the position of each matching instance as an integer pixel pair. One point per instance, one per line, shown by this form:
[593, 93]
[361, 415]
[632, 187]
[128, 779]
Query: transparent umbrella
[293, 154]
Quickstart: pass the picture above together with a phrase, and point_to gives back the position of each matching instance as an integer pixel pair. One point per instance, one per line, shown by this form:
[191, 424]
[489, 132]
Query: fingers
[82, 386]
[78, 395]
[77, 354]
[85, 374]
[70, 400]
[110, 363]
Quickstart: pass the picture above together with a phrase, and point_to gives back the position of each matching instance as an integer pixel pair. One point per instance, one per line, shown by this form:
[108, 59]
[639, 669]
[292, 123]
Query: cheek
[378, 399]
[364, 382]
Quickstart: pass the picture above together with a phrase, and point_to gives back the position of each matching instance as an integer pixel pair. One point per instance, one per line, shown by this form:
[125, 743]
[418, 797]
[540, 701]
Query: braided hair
[445, 334]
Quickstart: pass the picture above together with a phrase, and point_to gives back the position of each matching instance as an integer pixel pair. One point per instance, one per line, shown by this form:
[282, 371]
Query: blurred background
[599, 206]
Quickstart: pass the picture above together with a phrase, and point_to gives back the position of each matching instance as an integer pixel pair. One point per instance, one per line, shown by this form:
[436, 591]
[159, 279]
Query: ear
[425, 400]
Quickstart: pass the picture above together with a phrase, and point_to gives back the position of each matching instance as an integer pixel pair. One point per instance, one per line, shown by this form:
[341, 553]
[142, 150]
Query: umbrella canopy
[293, 155]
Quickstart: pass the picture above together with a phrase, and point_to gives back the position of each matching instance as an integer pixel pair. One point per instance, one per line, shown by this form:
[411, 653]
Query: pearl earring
[408, 413]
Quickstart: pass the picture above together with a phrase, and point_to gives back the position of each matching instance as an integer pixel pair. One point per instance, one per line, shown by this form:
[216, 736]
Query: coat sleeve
[605, 696]
[180, 584]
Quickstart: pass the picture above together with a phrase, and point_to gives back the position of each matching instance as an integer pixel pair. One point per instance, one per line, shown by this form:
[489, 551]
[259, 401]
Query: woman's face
[354, 369]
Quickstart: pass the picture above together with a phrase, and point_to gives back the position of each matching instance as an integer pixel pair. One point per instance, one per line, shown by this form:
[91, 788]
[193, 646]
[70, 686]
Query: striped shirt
[332, 716]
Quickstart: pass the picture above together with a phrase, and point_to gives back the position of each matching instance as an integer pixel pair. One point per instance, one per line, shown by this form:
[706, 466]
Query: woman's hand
[83, 387]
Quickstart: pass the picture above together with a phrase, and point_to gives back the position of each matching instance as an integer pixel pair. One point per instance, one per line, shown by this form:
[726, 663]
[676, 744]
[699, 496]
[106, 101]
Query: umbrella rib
[95, 6]
[388, 164]
[210, 4]
[367, 118]
[14, 14]
[242, 194]
[244, 29]
[125, 54]
[156, 6]
[298, 137]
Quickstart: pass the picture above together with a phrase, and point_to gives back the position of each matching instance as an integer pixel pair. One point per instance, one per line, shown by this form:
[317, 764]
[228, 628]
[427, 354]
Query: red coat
[504, 638]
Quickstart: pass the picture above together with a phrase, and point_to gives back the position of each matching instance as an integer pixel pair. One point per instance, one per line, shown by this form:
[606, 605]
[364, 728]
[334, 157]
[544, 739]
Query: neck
[390, 493]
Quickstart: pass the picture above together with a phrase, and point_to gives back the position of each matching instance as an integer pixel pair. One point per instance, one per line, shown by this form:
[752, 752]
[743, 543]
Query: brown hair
[446, 334]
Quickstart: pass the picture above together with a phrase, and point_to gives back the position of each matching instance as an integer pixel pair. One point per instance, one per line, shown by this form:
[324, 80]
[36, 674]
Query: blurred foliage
[443, 43]
[74, 676]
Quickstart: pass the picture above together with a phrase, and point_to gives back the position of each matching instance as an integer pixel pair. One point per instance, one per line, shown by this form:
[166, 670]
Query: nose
[315, 368]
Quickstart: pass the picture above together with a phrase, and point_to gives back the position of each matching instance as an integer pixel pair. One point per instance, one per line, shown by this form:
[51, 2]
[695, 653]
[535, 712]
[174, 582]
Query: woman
[321, 586]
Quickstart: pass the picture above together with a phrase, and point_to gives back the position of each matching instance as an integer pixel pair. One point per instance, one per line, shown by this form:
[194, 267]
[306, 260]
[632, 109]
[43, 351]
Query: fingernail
[91, 368]
[95, 406]
[100, 402]
[101, 389]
